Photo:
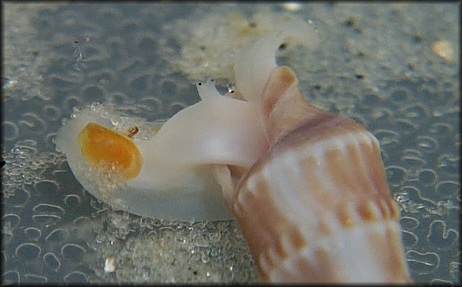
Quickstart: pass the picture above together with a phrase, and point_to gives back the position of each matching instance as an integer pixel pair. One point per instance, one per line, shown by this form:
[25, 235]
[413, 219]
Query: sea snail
[307, 188]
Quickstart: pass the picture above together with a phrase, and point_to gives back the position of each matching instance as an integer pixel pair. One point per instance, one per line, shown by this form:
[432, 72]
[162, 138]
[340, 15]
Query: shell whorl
[316, 207]
[295, 203]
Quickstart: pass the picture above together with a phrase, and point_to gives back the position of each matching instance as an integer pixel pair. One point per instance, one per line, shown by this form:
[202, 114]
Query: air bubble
[447, 189]
[35, 278]
[440, 129]
[28, 251]
[396, 175]
[52, 113]
[401, 197]
[92, 93]
[423, 263]
[405, 126]
[33, 233]
[51, 261]
[409, 239]
[20, 199]
[12, 220]
[45, 208]
[428, 177]
[72, 200]
[427, 144]
[413, 165]
[416, 112]
[57, 235]
[399, 95]
[46, 220]
[11, 277]
[48, 187]
[409, 223]
[73, 252]
[10, 130]
[76, 277]
[115, 120]
[71, 103]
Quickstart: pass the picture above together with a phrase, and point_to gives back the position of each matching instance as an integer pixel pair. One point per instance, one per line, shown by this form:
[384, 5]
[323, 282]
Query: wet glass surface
[392, 67]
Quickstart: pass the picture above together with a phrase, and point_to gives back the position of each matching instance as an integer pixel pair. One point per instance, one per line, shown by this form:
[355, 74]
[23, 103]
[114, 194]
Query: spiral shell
[328, 205]
[316, 207]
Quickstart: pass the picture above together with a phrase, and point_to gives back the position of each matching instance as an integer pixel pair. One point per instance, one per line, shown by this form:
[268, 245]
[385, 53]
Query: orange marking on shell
[99, 144]
[366, 211]
[344, 216]
[383, 205]
[296, 239]
[393, 208]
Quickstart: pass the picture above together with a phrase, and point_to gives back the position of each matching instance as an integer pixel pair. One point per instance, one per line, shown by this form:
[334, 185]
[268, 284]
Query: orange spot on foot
[99, 144]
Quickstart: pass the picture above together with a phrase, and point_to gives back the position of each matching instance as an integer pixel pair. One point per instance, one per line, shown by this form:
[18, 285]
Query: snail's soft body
[307, 188]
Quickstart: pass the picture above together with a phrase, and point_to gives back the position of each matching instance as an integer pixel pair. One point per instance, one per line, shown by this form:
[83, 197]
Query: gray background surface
[388, 66]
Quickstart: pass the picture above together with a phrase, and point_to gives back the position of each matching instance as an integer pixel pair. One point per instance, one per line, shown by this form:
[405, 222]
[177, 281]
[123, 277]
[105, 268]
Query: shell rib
[316, 207]
[327, 215]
